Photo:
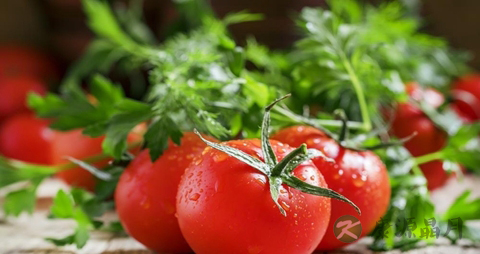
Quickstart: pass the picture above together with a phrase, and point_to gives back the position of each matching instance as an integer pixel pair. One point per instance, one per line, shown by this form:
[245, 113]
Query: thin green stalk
[317, 122]
[428, 157]
[357, 86]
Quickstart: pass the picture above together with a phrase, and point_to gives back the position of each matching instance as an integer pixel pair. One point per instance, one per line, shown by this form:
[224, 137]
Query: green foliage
[66, 207]
[196, 80]
[82, 207]
[378, 47]
[22, 200]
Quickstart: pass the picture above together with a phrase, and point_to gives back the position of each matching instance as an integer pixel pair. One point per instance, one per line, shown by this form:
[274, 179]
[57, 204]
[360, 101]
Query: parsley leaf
[82, 207]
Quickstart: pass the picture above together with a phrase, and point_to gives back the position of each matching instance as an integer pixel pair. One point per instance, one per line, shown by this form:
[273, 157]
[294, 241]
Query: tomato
[466, 94]
[25, 61]
[14, 92]
[225, 206]
[28, 138]
[358, 175]
[435, 174]
[83, 147]
[146, 193]
[409, 119]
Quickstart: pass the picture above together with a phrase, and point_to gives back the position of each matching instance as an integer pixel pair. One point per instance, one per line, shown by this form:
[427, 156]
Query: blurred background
[58, 26]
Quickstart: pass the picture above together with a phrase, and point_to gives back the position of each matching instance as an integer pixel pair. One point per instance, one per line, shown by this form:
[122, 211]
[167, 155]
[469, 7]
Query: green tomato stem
[318, 123]
[428, 157]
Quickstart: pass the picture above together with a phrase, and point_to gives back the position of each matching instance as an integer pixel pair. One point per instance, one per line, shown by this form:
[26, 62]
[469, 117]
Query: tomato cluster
[223, 205]
[408, 119]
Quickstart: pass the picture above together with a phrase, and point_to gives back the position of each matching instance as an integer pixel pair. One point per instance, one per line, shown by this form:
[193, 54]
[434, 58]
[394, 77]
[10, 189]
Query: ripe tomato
[146, 193]
[24, 61]
[358, 175]
[28, 138]
[435, 174]
[14, 92]
[83, 147]
[408, 119]
[466, 94]
[225, 206]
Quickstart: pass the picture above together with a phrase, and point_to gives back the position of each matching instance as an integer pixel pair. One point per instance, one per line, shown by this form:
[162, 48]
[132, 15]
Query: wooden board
[26, 234]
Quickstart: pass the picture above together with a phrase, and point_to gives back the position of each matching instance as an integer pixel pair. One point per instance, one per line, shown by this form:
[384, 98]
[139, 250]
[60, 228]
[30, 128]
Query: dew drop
[364, 178]
[359, 182]
[290, 195]
[220, 156]
[302, 177]
[284, 206]
[338, 174]
[194, 196]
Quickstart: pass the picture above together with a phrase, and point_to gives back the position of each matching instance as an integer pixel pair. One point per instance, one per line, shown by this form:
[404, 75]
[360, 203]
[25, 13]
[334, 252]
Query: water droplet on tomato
[205, 150]
[359, 181]
[198, 161]
[290, 195]
[220, 156]
[284, 206]
[337, 175]
[194, 196]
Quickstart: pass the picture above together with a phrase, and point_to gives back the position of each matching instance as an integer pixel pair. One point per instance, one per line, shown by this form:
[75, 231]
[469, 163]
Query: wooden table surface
[26, 234]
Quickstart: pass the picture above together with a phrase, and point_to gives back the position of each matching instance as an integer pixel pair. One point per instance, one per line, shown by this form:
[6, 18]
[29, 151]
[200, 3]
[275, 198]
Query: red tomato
[83, 147]
[224, 205]
[14, 92]
[466, 93]
[24, 61]
[434, 172]
[409, 119]
[28, 138]
[146, 193]
[358, 175]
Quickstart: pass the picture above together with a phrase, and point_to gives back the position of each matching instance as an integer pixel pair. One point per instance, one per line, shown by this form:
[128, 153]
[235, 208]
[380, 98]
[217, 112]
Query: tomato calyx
[281, 172]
